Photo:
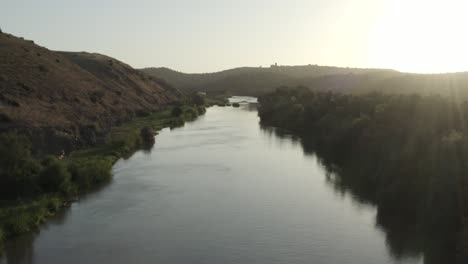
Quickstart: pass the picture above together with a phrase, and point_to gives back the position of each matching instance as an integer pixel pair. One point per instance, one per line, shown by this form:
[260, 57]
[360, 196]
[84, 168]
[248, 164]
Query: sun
[422, 36]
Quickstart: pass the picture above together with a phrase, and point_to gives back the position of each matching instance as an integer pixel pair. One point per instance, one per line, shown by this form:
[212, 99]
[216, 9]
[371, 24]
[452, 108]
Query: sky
[423, 36]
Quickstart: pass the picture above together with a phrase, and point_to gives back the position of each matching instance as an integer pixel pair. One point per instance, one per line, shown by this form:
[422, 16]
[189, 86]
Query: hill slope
[257, 81]
[70, 99]
[249, 80]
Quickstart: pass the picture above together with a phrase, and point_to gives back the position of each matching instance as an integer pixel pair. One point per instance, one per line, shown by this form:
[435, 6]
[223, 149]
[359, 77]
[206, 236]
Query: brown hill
[69, 99]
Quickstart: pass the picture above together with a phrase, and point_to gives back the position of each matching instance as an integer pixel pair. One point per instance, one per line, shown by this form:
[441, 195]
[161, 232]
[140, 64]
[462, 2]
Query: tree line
[407, 154]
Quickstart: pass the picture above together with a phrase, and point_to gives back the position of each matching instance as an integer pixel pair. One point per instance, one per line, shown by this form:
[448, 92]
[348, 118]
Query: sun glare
[423, 36]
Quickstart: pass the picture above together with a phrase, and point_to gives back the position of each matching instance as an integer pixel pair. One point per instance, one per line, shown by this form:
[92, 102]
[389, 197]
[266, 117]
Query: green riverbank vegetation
[35, 188]
[406, 154]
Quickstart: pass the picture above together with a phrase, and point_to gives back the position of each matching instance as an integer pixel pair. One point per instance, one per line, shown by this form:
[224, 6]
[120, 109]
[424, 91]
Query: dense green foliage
[18, 170]
[32, 189]
[177, 111]
[406, 154]
[55, 177]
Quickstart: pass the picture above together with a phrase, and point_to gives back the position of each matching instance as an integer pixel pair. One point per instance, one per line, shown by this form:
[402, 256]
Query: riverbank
[251, 195]
[82, 170]
[403, 154]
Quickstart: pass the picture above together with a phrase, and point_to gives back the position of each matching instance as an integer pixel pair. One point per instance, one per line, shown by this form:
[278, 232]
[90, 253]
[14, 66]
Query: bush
[2, 238]
[88, 172]
[142, 113]
[55, 177]
[18, 170]
[18, 223]
[201, 110]
[48, 160]
[193, 112]
[177, 122]
[176, 111]
[197, 99]
[235, 104]
[53, 204]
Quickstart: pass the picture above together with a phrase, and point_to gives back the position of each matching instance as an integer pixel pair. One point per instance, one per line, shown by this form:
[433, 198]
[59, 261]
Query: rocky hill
[64, 99]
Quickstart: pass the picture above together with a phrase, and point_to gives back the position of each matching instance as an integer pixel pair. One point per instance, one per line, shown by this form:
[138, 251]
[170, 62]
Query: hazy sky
[211, 35]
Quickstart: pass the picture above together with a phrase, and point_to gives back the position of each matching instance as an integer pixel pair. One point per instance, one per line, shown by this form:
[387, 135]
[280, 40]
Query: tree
[197, 99]
[55, 177]
[18, 168]
[176, 111]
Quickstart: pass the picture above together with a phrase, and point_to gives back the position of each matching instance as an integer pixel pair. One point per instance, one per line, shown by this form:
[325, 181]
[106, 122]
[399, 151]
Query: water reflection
[409, 234]
[223, 190]
[21, 250]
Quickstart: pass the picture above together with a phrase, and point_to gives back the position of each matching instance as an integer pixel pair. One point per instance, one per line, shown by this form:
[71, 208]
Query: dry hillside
[69, 99]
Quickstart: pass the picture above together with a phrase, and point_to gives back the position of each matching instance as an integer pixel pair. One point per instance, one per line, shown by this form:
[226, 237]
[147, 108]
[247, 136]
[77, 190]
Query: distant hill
[249, 80]
[62, 97]
[450, 84]
[256, 81]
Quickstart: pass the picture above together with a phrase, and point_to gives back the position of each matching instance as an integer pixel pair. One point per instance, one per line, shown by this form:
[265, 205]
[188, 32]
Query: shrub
[142, 113]
[18, 169]
[55, 177]
[197, 99]
[53, 204]
[235, 104]
[192, 112]
[176, 111]
[87, 172]
[48, 160]
[177, 122]
[17, 223]
[201, 110]
[2, 238]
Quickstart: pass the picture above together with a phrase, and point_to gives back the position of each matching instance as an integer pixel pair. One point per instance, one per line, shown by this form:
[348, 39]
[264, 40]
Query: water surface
[219, 190]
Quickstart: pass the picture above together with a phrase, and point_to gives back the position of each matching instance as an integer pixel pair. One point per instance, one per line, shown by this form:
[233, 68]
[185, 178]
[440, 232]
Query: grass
[89, 167]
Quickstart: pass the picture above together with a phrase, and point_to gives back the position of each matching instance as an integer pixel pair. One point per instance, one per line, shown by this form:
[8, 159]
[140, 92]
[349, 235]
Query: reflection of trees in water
[279, 136]
[412, 228]
[251, 107]
[21, 249]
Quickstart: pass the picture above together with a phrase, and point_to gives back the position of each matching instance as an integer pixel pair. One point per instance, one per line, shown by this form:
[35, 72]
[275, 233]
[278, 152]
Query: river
[220, 189]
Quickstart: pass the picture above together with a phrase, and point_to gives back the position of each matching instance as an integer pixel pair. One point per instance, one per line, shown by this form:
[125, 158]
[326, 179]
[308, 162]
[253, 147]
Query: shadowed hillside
[250, 80]
[70, 99]
[258, 81]
[450, 84]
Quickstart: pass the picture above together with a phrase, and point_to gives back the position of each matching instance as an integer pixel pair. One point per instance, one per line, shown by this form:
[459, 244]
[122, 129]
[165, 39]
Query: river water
[221, 189]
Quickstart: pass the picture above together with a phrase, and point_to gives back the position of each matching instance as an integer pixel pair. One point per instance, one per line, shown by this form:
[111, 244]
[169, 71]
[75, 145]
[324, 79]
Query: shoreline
[95, 163]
